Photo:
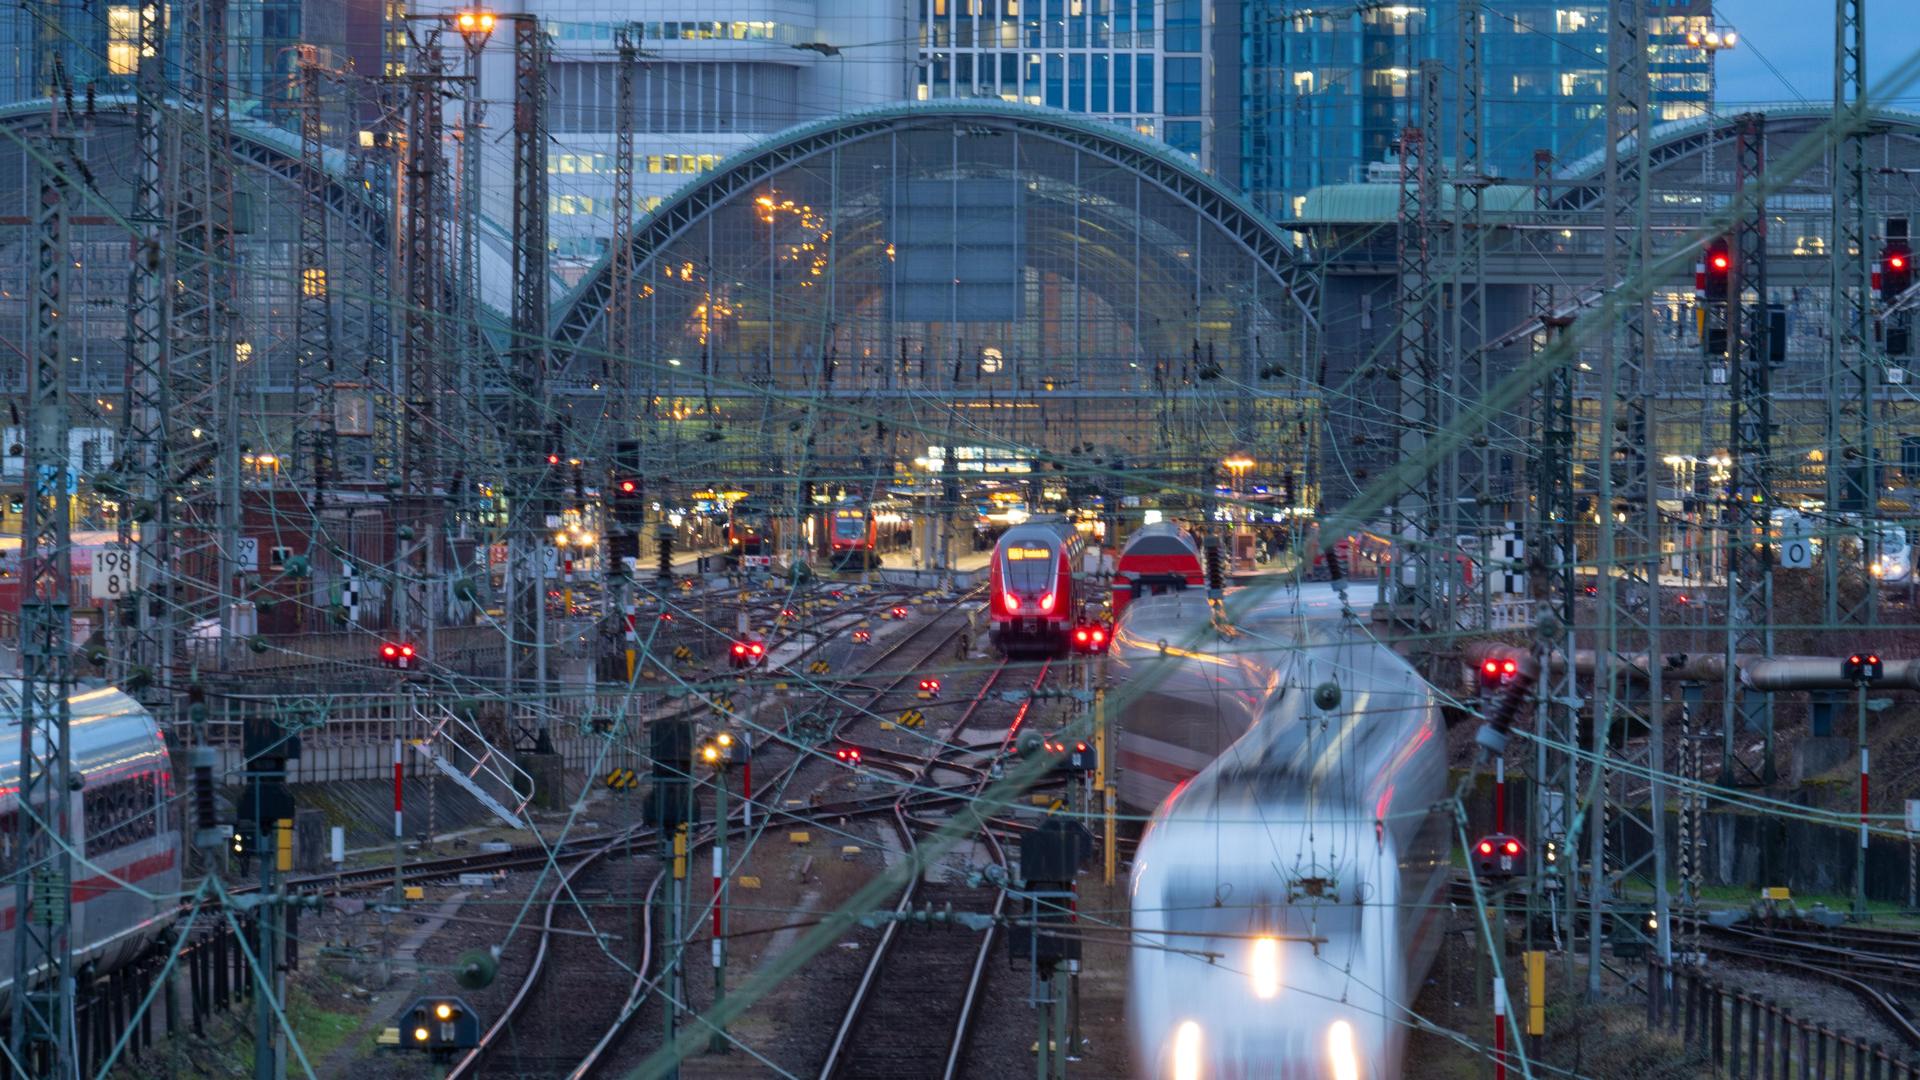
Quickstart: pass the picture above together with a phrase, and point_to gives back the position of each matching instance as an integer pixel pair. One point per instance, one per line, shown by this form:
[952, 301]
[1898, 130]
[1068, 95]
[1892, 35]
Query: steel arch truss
[582, 312]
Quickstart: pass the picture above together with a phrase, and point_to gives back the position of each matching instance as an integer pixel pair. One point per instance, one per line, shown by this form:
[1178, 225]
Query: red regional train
[852, 533]
[1034, 599]
[1161, 557]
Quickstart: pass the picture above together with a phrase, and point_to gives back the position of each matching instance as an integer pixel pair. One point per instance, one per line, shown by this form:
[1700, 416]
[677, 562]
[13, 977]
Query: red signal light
[389, 651]
[1099, 635]
[757, 648]
[1080, 747]
[1513, 847]
[1080, 635]
[1854, 659]
[553, 459]
[406, 650]
[1509, 668]
[739, 648]
[1898, 262]
[1486, 847]
[628, 487]
[1490, 668]
[1721, 262]
[1872, 658]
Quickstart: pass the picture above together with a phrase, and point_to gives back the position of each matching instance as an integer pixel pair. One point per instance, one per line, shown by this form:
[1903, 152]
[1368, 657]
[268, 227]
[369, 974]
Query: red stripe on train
[88, 888]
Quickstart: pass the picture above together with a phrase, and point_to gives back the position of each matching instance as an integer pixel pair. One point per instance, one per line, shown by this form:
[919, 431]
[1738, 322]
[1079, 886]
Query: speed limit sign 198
[113, 574]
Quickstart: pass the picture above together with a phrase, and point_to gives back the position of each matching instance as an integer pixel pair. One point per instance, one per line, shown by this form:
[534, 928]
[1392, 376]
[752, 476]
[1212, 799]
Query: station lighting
[1713, 40]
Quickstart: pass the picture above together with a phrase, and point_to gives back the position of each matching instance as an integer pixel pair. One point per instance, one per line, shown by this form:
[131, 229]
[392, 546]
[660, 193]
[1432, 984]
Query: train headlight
[1186, 1051]
[1342, 1054]
[1264, 965]
[1046, 604]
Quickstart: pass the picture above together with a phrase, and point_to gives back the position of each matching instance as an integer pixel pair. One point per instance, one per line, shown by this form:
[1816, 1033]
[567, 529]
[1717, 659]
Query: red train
[1033, 597]
[852, 533]
[749, 536]
[1158, 558]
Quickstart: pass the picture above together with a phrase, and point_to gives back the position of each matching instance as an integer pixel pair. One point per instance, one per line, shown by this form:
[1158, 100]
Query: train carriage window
[120, 813]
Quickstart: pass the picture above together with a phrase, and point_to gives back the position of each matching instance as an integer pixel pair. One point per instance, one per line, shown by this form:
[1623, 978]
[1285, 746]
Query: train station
[1072, 538]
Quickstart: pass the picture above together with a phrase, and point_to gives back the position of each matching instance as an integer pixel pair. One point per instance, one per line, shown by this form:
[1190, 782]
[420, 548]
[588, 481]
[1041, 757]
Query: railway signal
[746, 654]
[1714, 275]
[1893, 274]
[929, 689]
[848, 756]
[398, 654]
[1090, 638]
[1863, 667]
[1499, 856]
[862, 636]
[899, 611]
[442, 1024]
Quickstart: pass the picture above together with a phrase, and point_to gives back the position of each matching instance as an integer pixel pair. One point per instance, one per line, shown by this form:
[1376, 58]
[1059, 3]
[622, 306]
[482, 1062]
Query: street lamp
[474, 23]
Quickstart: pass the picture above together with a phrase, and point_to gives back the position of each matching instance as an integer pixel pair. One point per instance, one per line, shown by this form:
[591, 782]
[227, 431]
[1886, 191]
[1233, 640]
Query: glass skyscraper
[1320, 96]
[1141, 63]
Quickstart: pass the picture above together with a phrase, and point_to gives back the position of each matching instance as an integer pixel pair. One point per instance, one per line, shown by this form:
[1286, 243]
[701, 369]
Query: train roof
[1052, 526]
[1160, 538]
[108, 729]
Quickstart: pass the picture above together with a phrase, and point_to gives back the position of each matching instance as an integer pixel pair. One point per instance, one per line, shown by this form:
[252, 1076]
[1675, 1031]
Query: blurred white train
[127, 856]
[1286, 894]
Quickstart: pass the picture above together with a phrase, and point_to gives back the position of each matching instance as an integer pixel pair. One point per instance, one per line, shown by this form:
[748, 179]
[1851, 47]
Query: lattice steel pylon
[42, 1031]
[528, 475]
[1627, 562]
[1550, 577]
[1417, 362]
[1467, 368]
[314, 328]
[1750, 437]
[204, 369]
[421, 237]
[142, 652]
[620, 295]
[1852, 369]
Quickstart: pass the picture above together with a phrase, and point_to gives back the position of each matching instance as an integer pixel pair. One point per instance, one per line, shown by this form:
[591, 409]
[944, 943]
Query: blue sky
[1795, 37]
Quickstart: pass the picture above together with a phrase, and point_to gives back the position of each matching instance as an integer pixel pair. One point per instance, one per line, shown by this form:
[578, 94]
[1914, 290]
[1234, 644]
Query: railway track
[921, 981]
[1875, 978]
[644, 983]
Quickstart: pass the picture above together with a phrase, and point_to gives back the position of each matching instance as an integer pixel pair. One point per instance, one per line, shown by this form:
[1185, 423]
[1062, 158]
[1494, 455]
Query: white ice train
[126, 866]
[1285, 896]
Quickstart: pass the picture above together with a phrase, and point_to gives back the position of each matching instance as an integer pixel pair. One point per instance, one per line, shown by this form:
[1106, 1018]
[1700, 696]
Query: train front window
[1031, 569]
[850, 526]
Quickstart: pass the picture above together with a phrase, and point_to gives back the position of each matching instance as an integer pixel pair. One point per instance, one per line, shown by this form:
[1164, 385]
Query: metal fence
[1745, 1035]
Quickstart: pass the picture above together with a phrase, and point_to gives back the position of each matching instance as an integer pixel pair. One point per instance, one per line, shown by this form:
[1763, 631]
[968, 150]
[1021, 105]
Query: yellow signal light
[420, 1034]
[443, 1011]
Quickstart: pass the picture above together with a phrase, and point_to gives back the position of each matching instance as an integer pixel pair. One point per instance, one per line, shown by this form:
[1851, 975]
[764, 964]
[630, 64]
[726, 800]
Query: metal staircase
[458, 749]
